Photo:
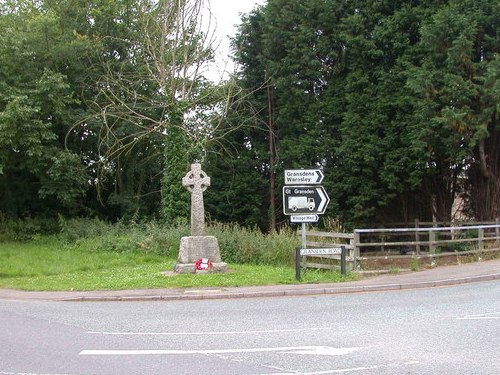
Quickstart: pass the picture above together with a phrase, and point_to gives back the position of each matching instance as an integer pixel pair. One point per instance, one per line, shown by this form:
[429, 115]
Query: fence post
[480, 237]
[417, 237]
[356, 247]
[432, 241]
[343, 270]
[497, 229]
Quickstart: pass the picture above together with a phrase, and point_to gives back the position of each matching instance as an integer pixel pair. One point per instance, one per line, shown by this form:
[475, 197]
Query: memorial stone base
[195, 247]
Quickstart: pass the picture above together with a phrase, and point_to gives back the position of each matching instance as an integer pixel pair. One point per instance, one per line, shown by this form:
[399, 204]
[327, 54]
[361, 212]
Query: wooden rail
[395, 243]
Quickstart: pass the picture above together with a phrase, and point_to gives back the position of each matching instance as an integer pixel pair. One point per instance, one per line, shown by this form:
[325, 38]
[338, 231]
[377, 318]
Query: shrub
[26, 229]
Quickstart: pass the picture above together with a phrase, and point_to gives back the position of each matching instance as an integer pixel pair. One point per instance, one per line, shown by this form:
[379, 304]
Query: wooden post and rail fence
[391, 246]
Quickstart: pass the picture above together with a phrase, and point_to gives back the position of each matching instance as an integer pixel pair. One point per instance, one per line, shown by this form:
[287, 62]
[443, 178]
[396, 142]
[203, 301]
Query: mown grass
[49, 264]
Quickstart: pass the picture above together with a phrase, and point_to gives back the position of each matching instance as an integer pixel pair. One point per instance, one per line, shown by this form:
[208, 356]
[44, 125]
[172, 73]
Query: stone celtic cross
[196, 181]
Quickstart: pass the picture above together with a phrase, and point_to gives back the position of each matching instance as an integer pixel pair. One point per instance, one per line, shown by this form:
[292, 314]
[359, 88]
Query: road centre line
[481, 316]
[215, 333]
[307, 350]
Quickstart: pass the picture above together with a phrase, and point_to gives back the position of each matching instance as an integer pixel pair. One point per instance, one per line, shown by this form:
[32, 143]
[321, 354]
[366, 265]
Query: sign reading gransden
[304, 200]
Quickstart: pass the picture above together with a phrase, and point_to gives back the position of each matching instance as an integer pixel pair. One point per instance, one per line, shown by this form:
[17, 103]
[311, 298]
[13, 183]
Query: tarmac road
[444, 320]
[445, 330]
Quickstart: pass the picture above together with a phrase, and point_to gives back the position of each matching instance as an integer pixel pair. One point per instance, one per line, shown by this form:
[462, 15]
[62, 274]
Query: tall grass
[237, 244]
[89, 254]
[147, 238]
[251, 246]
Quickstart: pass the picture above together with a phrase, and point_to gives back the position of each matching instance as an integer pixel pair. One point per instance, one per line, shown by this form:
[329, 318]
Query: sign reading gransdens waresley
[303, 176]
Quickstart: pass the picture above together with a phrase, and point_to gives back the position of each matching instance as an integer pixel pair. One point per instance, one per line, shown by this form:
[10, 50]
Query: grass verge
[49, 265]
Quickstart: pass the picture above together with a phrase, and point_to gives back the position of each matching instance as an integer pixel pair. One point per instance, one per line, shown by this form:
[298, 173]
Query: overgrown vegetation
[237, 244]
[84, 254]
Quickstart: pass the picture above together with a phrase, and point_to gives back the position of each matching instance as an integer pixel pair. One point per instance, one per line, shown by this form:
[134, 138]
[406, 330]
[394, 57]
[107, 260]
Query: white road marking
[208, 333]
[307, 350]
[348, 370]
[493, 315]
[324, 350]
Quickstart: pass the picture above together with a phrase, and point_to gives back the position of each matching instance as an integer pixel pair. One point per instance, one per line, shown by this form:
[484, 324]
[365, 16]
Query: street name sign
[304, 218]
[303, 176]
[339, 250]
[327, 251]
[299, 200]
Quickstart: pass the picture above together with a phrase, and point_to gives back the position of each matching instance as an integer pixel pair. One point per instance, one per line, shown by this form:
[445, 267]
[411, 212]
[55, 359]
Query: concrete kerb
[291, 292]
[409, 281]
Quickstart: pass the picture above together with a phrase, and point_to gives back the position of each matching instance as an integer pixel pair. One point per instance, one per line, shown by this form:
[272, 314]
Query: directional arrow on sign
[324, 200]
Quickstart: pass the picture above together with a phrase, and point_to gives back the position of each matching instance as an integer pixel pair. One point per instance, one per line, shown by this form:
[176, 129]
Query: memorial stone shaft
[196, 181]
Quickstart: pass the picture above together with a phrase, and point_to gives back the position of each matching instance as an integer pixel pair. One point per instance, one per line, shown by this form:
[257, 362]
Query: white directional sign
[303, 176]
[298, 200]
[304, 218]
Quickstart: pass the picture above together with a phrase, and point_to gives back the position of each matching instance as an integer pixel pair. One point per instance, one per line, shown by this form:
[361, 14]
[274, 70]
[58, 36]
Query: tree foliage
[37, 107]
[154, 96]
[393, 99]
[455, 81]
[104, 104]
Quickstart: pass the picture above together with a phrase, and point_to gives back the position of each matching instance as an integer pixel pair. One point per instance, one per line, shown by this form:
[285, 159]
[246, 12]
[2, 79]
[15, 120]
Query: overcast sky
[227, 14]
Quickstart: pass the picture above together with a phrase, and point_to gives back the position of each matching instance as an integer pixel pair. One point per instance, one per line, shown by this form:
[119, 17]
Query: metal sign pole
[297, 252]
[297, 263]
[304, 238]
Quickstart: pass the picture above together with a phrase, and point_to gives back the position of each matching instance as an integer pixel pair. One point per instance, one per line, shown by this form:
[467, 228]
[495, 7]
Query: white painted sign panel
[326, 251]
[303, 200]
[303, 176]
[304, 218]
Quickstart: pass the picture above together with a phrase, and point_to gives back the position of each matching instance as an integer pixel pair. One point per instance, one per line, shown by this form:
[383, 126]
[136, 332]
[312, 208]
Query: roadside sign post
[297, 263]
[304, 200]
[303, 235]
[303, 220]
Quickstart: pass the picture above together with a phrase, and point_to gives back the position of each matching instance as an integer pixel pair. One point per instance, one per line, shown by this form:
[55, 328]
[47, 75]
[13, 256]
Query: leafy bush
[26, 229]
